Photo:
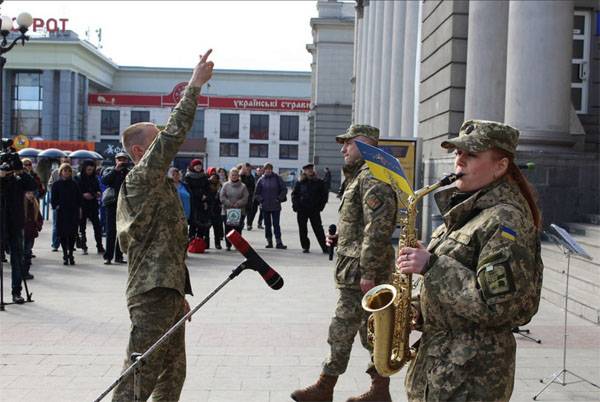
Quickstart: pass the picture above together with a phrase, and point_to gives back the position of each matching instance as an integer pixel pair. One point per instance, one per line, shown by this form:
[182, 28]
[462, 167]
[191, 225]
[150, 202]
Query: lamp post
[24, 21]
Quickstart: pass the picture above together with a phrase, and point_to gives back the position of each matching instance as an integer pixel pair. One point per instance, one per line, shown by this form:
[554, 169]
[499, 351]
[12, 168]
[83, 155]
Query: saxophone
[391, 316]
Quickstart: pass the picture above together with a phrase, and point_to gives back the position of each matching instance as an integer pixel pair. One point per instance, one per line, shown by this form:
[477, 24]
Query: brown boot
[321, 391]
[379, 391]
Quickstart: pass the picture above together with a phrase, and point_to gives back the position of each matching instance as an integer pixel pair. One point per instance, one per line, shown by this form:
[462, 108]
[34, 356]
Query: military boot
[379, 391]
[321, 391]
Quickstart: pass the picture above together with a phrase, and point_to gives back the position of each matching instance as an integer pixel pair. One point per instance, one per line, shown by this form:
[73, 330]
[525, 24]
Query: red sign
[210, 102]
[63, 145]
[49, 25]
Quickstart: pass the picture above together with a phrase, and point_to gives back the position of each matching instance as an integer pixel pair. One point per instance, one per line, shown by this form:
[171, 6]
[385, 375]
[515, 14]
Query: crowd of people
[214, 199]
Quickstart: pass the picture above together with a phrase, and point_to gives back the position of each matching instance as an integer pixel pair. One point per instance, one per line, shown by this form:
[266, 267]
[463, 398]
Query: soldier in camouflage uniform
[365, 258]
[152, 231]
[482, 273]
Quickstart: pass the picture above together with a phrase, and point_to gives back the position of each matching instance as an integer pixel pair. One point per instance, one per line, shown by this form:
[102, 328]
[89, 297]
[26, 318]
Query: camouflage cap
[481, 135]
[358, 129]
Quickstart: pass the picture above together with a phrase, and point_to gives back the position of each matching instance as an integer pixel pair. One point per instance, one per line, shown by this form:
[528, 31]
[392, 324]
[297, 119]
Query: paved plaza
[249, 343]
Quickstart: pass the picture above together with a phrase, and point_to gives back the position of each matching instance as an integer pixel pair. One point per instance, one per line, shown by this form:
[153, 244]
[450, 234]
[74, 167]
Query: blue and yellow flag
[384, 166]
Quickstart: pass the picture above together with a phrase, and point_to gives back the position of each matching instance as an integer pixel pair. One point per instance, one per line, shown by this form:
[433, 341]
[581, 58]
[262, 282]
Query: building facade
[331, 95]
[531, 64]
[64, 89]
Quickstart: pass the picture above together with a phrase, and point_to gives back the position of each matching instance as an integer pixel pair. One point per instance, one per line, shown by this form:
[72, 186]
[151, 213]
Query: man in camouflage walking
[152, 231]
[365, 259]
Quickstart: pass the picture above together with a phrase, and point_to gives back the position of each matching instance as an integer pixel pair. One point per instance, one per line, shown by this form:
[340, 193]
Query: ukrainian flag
[384, 167]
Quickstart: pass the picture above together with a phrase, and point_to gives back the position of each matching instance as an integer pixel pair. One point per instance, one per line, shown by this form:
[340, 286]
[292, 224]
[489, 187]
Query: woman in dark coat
[66, 200]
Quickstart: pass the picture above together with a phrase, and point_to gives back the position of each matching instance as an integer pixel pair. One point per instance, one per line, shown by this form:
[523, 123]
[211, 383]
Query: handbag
[109, 196]
[234, 216]
[197, 246]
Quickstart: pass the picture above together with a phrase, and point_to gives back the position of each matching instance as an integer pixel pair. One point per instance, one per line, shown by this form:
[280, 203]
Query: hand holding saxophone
[413, 260]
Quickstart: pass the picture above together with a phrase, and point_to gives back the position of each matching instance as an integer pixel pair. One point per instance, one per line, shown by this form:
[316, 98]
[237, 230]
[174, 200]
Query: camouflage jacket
[151, 224]
[485, 278]
[367, 221]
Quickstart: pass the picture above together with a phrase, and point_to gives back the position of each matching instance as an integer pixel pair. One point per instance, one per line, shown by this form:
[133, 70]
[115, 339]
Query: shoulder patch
[495, 278]
[373, 202]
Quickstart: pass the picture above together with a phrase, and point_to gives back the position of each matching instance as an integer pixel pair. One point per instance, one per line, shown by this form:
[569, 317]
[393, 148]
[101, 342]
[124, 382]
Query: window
[81, 109]
[259, 150]
[230, 125]
[288, 128]
[197, 130]
[109, 122]
[27, 104]
[140, 116]
[259, 126]
[288, 151]
[228, 149]
[580, 60]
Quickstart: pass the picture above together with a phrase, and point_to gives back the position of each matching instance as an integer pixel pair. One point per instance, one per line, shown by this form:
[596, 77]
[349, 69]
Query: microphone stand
[139, 359]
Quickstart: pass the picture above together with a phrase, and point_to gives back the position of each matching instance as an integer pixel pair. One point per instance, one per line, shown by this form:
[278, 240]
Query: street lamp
[24, 21]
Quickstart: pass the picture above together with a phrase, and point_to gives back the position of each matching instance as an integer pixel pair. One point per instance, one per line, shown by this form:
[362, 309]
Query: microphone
[332, 229]
[255, 262]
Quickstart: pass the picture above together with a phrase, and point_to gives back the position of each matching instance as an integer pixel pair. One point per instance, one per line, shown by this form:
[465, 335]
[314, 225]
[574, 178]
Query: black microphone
[332, 229]
[255, 262]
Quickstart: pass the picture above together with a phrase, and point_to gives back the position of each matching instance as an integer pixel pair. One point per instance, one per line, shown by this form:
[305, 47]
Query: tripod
[525, 334]
[568, 246]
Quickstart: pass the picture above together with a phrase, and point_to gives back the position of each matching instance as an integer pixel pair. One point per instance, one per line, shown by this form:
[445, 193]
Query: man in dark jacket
[90, 192]
[308, 200]
[197, 182]
[112, 178]
[13, 185]
[248, 180]
[270, 192]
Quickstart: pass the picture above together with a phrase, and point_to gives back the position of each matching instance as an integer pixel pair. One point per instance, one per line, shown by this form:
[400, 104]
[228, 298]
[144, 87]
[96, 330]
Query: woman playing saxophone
[482, 272]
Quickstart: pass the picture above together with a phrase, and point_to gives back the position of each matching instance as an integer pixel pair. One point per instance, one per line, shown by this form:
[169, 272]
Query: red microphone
[255, 262]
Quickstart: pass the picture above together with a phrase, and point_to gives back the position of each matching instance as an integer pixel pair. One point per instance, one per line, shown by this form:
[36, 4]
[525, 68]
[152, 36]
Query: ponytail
[515, 175]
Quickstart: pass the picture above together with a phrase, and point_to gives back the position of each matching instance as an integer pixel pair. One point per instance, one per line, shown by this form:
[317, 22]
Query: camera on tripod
[9, 158]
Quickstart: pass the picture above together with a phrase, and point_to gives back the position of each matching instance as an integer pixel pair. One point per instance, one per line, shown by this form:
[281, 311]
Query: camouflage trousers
[349, 319]
[152, 314]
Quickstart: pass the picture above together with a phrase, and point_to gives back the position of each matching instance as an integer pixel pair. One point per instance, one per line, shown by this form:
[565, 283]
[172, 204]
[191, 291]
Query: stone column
[396, 70]
[411, 43]
[538, 68]
[358, 25]
[486, 60]
[378, 8]
[386, 57]
[369, 28]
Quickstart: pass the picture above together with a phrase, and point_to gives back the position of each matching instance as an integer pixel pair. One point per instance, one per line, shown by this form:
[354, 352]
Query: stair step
[580, 267]
[593, 218]
[582, 290]
[584, 228]
[589, 244]
[584, 311]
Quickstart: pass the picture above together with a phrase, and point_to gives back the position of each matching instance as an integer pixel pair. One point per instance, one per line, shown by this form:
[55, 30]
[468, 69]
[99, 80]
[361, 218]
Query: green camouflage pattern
[349, 318]
[358, 129]
[163, 374]
[486, 280]
[481, 135]
[367, 221]
[151, 225]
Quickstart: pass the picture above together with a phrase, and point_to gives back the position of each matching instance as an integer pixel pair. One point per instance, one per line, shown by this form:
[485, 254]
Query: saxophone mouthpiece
[451, 178]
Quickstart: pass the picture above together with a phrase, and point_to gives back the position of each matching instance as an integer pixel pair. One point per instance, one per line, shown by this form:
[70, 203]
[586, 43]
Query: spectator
[222, 175]
[197, 184]
[14, 187]
[183, 190]
[270, 193]
[234, 198]
[256, 204]
[33, 226]
[102, 208]
[245, 170]
[214, 211]
[112, 178]
[327, 179]
[54, 177]
[67, 201]
[308, 200]
[90, 192]
[28, 168]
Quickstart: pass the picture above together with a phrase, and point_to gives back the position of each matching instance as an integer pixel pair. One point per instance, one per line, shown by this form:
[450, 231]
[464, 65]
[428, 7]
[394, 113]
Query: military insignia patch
[469, 129]
[508, 233]
[495, 279]
[373, 202]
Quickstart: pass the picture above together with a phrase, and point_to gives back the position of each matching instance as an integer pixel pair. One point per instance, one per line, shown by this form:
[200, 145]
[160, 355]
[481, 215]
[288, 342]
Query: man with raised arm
[152, 231]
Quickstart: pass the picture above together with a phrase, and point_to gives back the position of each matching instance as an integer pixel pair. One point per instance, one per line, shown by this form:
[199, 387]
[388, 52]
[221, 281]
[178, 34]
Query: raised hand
[203, 71]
